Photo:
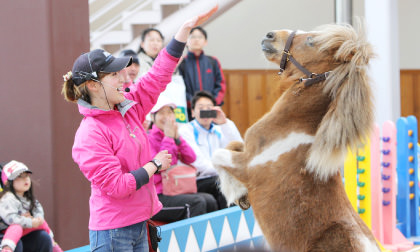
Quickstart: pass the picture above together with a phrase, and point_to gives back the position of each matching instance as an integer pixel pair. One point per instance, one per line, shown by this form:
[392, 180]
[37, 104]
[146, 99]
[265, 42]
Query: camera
[208, 113]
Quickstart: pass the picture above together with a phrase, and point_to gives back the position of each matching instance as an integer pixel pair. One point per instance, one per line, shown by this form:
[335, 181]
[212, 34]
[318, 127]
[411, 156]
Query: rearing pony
[288, 168]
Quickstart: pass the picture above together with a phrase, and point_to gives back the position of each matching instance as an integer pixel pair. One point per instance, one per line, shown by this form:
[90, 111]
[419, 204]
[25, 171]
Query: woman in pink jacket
[164, 136]
[111, 146]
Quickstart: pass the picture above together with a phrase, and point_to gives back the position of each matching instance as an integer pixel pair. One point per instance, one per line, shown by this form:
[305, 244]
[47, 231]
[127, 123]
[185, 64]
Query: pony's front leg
[232, 175]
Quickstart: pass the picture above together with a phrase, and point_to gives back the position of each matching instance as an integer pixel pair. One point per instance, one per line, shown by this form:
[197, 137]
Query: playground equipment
[371, 184]
[408, 190]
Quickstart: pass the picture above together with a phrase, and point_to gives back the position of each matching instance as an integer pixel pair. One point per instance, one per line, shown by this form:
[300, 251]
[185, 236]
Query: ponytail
[72, 92]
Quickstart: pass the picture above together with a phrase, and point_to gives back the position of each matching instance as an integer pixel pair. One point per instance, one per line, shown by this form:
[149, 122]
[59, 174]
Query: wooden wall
[251, 93]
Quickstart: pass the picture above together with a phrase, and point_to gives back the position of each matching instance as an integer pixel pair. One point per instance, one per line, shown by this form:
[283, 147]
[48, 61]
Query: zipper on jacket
[199, 72]
[136, 140]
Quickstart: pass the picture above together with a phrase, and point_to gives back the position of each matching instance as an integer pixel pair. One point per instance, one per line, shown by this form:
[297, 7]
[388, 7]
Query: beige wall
[235, 36]
[409, 25]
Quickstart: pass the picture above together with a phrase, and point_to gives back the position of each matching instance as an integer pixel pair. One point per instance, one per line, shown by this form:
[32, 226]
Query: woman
[111, 146]
[152, 43]
[164, 136]
[150, 46]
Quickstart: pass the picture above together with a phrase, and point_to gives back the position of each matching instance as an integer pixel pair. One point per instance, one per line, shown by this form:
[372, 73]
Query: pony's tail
[349, 119]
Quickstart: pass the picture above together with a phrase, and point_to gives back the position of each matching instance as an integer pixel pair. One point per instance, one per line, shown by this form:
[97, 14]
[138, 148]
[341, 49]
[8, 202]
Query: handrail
[118, 19]
[104, 10]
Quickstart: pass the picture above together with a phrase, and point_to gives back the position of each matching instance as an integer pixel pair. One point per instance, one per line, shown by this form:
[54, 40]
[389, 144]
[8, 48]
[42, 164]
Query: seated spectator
[163, 135]
[200, 71]
[22, 216]
[132, 70]
[205, 135]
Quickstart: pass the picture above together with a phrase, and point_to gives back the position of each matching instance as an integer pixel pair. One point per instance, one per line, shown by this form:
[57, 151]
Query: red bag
[179, 179]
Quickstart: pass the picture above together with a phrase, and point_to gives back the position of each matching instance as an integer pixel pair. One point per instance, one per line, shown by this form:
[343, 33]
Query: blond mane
[349, 118]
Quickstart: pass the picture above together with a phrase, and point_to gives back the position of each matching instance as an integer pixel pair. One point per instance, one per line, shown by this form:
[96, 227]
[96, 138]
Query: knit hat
[12, 170]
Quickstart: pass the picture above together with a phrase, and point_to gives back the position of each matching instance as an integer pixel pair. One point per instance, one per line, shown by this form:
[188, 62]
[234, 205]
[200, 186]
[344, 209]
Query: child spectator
[164, 136]
[205, 135]
[132, 70]
[201, 72]
[20, 212]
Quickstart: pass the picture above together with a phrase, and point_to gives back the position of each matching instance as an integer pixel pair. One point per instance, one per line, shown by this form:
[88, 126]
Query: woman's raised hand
[200, 19]
[184, 31]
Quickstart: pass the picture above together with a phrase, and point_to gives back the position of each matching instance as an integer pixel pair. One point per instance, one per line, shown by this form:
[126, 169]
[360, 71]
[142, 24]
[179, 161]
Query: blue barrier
[230, 229]
[408, 188]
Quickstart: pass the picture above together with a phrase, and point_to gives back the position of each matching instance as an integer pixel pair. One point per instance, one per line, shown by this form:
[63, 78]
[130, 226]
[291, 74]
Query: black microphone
[127, 89]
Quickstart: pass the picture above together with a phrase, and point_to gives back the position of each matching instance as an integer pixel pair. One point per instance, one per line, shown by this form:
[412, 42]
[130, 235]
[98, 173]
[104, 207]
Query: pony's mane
[349, 118]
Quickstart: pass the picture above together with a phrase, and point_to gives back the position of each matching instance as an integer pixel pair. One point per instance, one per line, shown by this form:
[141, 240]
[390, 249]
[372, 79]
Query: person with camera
[210, 130]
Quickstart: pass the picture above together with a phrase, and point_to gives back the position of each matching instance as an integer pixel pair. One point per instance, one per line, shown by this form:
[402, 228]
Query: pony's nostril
[270, 35]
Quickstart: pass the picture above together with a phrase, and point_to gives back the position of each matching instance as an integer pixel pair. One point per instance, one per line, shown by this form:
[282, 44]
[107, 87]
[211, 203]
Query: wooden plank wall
[251, 93]
[410, 93]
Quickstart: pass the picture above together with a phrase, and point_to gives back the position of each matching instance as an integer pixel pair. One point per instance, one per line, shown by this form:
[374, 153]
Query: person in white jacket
[209, 131]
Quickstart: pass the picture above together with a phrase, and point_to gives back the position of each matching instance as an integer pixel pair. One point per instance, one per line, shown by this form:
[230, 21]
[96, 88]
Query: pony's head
[335, 56]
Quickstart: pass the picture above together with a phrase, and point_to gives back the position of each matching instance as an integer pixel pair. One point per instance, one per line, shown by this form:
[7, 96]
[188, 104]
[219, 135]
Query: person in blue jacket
[200, 71]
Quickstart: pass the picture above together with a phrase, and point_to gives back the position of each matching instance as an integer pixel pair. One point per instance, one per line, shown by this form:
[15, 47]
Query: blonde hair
[72, 92]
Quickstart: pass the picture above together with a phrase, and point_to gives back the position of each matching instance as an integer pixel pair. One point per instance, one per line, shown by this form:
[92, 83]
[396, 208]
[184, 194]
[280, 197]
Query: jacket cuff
[175, 48]
[141, 177]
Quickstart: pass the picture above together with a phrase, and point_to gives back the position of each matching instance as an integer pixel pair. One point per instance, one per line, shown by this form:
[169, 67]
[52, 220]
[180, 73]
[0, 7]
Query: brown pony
[288, 168]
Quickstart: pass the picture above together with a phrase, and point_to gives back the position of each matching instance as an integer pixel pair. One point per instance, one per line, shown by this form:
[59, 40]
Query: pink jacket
[110, 144]
[159, 142]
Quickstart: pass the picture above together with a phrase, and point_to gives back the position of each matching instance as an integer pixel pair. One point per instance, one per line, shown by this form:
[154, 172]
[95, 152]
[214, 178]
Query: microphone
[127, 89]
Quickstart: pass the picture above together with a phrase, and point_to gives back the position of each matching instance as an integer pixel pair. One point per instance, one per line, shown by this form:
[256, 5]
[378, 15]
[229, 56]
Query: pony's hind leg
[232, 175]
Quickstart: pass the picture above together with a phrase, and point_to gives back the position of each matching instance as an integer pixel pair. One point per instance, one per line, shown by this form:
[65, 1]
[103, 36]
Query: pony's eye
[309, 41]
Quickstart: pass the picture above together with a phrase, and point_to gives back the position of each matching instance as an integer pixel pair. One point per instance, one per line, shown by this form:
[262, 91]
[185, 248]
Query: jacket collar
[197, 128]
[191, 55]
[156, 131]
[88, 109]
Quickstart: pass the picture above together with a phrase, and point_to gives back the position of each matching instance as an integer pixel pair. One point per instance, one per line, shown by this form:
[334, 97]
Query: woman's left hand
[184, 31]
[200, 19]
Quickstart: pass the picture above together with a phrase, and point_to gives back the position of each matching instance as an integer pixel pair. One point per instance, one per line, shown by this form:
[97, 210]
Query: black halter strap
[312, 78]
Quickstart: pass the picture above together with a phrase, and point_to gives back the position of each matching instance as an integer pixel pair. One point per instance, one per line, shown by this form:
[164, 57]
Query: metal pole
[344, 11]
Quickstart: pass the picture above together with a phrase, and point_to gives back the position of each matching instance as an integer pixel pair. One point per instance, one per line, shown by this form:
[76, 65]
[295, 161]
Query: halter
[287, 56]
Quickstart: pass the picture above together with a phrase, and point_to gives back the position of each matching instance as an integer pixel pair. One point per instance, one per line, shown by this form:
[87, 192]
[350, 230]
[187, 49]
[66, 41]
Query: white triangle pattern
[173, 243]
[209, 242]
[192, 245]
[257, 230]
[226, 237]
[243, 230]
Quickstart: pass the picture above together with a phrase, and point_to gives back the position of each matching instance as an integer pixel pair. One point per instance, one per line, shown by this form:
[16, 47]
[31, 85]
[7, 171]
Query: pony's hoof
[222, 157]
[243, 202]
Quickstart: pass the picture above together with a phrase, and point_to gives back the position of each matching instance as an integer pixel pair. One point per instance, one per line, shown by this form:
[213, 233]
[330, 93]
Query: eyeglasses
[196, 37]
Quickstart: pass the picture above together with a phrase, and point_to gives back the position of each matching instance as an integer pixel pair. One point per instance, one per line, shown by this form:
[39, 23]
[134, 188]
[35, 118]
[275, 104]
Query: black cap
[130, 53]
[89, 64]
